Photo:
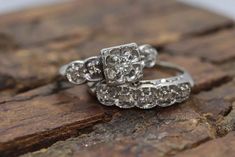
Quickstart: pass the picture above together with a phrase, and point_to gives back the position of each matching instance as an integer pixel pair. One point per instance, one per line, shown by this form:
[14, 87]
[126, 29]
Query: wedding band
[146, 94]
[116, 65]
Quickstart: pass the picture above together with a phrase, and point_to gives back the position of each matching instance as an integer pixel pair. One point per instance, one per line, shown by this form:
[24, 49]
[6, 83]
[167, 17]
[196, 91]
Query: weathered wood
[217, 48]
[217, 148]
[112, 16]
[40, 117]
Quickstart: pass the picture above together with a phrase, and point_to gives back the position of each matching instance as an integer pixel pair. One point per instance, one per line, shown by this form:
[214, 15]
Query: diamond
[149, 55]
[165, 96]
[93, 66]
[106, 95]
[184, 92]
[75, 73]
[125, 97]
[145, 98]
[122, 64]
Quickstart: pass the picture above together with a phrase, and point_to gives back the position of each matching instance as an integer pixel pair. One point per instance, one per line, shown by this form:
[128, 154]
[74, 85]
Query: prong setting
[122, 64]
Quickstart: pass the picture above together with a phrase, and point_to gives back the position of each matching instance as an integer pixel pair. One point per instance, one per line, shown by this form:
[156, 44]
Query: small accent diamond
[184, 91]
[75, 73]
[94, 69]
[145, 98]
[165, 96]
[106, 95]
[125, 97]
[149, 55]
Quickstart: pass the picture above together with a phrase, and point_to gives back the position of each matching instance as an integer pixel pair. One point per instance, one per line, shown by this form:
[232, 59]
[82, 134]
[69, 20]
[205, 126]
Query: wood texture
[41, 115]
[217, 48]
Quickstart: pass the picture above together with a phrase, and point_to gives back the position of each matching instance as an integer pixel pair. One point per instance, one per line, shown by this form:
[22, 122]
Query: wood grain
[217, 48]
[34, 119]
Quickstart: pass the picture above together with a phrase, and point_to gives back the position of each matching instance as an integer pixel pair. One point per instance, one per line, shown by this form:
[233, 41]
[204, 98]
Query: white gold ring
[115, 77]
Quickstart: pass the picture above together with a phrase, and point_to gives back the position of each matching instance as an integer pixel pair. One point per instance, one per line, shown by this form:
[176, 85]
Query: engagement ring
[117, 65]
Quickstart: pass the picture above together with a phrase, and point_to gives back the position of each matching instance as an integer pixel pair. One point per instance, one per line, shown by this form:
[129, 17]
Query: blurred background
[223, 7]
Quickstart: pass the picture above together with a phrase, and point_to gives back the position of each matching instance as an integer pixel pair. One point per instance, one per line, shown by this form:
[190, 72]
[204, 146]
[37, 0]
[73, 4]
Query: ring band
[117, 65]
[146, 94]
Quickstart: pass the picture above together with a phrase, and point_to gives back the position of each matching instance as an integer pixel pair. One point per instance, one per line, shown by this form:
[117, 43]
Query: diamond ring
[146, 94]
[116, 65]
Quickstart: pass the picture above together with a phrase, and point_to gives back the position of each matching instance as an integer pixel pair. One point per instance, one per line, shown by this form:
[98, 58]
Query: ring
[115, 77]
[116, 65]
[146, 94]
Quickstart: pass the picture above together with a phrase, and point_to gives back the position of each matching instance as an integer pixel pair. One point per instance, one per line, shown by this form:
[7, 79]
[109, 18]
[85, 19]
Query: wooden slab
[110, 17]
[217, 48]
[218, 147]
[38, 118]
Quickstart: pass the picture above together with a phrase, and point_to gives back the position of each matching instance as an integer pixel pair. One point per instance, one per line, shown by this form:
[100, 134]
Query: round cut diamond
[184, 91]
[125, 97]
[165, 96]
[75, 73]
[145, 98]
[93, 66]
[149, 55]
[106, 95]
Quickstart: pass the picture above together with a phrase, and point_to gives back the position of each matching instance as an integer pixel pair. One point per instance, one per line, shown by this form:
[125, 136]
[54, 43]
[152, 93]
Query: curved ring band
[117, 65]
[146, 94]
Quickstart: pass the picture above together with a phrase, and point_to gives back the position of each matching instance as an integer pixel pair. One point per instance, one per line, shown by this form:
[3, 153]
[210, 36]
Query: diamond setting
[143, 96]
[75, 72]
[93, 66]
[122, 64]
[78, 72]
[149, 55]
[125, 97]
[165, 95]
[106, 95]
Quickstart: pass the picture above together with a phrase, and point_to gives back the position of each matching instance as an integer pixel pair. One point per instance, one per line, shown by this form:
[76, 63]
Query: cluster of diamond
[122, 64]
[143, 96]
[79, 72]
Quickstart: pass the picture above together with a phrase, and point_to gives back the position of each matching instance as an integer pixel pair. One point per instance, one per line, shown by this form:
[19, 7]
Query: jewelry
[146, 94]
[115, 77]
[117, 65]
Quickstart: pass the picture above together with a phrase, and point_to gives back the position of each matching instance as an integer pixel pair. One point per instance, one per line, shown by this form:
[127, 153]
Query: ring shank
[181, 77]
